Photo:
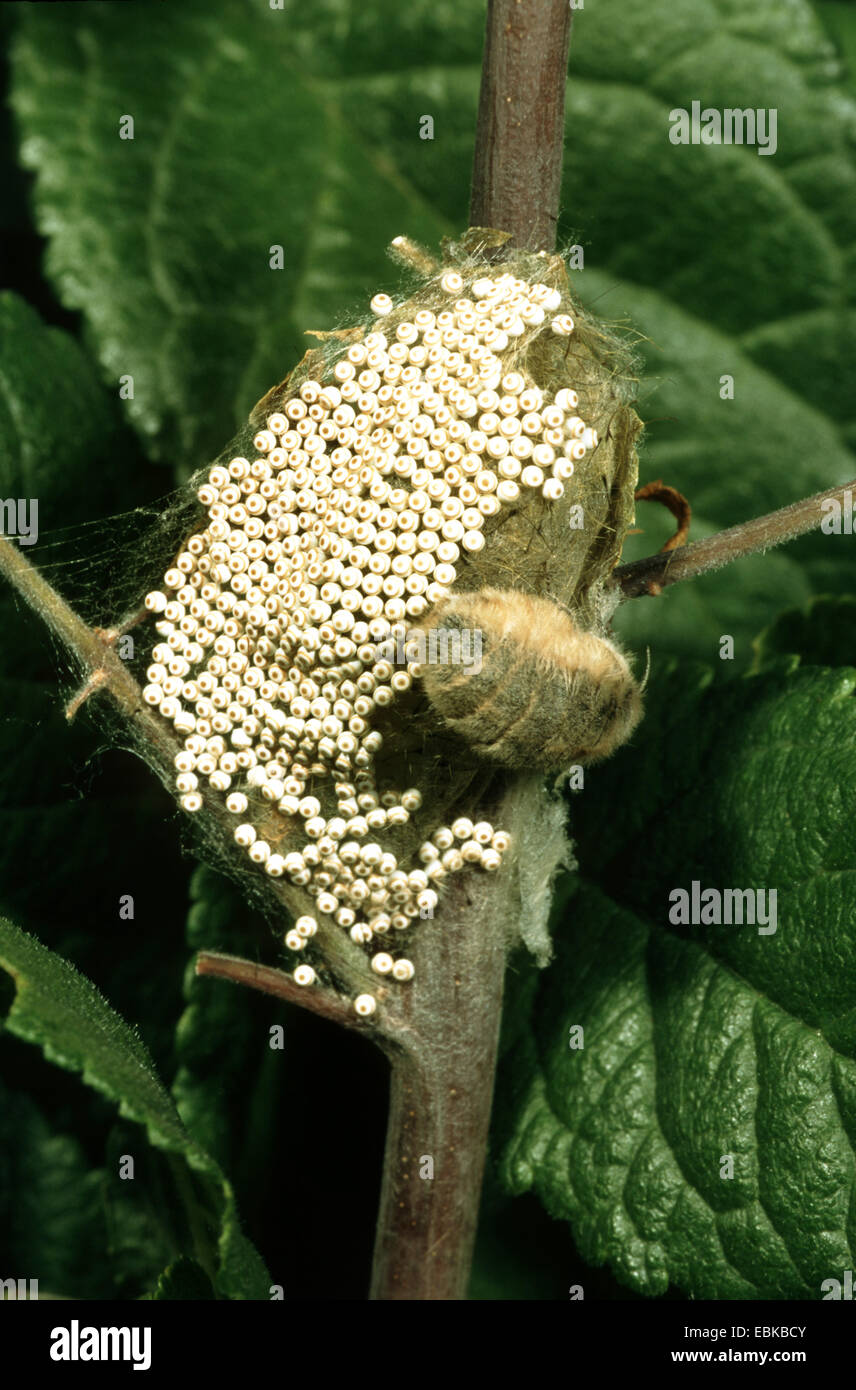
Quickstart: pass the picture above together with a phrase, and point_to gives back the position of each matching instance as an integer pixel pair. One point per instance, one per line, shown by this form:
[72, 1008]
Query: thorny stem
[102, 666]
[517, 168]
[651, 575]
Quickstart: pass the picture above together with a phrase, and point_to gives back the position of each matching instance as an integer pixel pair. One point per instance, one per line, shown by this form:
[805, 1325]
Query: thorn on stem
[96, 680]
[108, 636]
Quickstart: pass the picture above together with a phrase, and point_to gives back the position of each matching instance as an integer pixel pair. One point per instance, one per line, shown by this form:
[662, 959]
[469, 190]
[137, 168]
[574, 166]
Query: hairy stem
[442, 1073]
[324, 1002]
[441, 1092]
[655, 572]
[517, 168]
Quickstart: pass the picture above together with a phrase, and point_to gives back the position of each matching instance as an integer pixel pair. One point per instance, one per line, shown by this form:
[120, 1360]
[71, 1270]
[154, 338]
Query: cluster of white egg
[334, 539]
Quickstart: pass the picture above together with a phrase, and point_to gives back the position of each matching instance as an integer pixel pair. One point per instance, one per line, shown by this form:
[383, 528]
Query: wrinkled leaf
[236, 150]
[821, 634]
[703, 1042]
[62, 1012]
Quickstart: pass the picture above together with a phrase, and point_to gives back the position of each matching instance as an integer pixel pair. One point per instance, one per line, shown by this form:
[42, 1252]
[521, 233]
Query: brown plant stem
[317, 999]
[517, 167]
[442, 1076]
[655, 572]
[441, 1092]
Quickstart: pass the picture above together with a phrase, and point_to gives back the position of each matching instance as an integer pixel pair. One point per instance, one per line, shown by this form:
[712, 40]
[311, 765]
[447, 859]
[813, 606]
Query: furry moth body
[543, 695]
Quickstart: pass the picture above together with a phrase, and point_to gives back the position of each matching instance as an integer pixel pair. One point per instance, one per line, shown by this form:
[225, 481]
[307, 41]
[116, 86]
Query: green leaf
[821, 634]
[226, 1066]
[687, 199]
[703, 1041]
[60, 432]
[64, 447]
[62, 1012]
[727, 263]
[719, 455]
[165, 240]
[520, 1253]
[840, 22]
[184, 1279]
[50, 1208]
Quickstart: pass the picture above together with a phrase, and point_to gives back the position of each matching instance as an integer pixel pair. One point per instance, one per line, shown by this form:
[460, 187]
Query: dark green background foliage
[300, 128]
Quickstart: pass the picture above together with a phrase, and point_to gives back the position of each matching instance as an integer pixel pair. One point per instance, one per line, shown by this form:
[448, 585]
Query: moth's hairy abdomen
[543, 694]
